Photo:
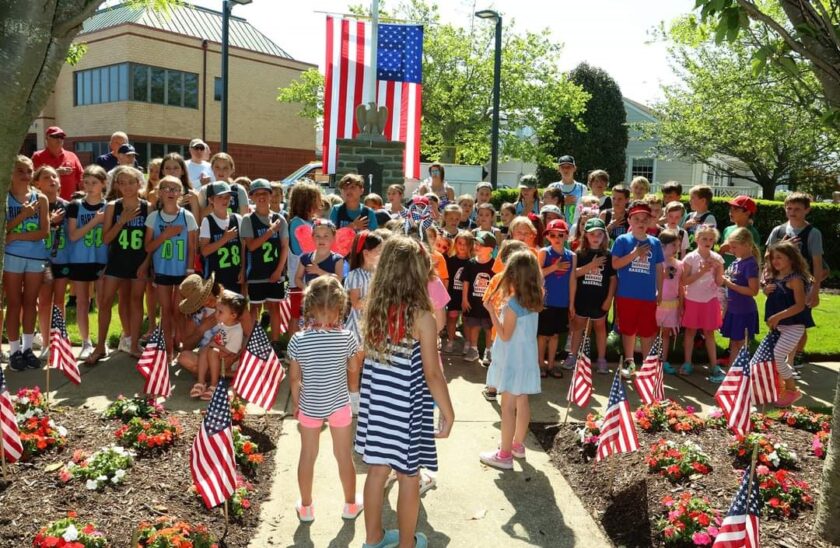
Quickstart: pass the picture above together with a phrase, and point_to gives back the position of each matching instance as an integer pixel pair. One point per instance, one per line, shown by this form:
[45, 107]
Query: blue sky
[611, 34]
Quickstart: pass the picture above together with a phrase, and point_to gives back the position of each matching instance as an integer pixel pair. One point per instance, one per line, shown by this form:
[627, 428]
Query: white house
[641, 160]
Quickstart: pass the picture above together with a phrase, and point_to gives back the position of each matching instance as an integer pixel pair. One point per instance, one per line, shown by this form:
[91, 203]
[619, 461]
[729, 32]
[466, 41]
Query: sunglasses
[172, 189]
[198, 147]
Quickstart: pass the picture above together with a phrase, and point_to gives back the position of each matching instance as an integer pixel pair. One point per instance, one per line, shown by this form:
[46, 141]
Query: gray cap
[218, 188]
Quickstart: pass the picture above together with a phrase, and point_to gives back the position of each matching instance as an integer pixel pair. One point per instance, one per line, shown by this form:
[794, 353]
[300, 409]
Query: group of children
[367, 324]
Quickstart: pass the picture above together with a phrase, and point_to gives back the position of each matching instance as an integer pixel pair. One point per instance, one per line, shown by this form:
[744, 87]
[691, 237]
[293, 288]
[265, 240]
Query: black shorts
[87, 272]
[125, 270]
[260, 292]
[553, 321]
[59, 271]
[592, 311]
[163, 279]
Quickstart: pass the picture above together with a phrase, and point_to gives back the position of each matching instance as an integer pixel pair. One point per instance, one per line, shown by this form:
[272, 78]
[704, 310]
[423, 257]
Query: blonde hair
[452, 208]
[466, 198]
[462, 235]
[131, 171]
[674, 206]
[704, 192]
[523, 278]
[744, 237]
[21, 159]
[797, 261]
[509, 247]
[653, 199]
[706, 229]
[398, 294]
[642, 181]
[41, 170]
[522, 221]
[224, 157]
[322, 295]
[373, 197]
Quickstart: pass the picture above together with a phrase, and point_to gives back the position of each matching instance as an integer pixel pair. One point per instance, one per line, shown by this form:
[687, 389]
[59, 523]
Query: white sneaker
[45, 353]
[488, 357]
[4, 356]
[37, 341]
[471, 355]
[87, 350]
[628, 369]
[124, 345]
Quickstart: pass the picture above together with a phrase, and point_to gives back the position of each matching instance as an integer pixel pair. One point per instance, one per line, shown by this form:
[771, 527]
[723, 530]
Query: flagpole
[47, 393]
[369, 93]
[577, 359]
[752, 469]
[3, 457]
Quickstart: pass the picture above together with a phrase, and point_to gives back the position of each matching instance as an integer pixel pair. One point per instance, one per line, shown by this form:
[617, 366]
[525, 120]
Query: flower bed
[70, 533]
[104, 467]
[668, 415]
[589, 433]
[819, 442]
[167, 532]
[39, 434]
[237, 409]
[771, 452]
[759, 421]
[783, 493]
[247, 452]
[125, 409]
[804, 418]
[149, 434]
[688, 519]
[678, 461]
[29, 402]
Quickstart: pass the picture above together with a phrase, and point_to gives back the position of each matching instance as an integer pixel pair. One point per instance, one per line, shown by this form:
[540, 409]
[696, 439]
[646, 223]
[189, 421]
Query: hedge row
[825, 217]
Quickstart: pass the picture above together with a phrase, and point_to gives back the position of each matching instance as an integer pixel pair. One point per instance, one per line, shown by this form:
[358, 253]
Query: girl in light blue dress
[514, 370]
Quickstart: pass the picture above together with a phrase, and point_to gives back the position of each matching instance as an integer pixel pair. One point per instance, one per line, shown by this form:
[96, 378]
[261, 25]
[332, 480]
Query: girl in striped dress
[363, 258]
[401, 382]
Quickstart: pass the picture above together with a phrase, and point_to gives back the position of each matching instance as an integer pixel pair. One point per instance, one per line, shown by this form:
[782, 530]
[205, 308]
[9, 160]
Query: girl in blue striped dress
[401, 382]
[363, 259]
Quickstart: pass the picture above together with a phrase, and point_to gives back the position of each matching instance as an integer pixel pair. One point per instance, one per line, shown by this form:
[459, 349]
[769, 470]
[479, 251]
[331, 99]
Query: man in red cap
[66, 163]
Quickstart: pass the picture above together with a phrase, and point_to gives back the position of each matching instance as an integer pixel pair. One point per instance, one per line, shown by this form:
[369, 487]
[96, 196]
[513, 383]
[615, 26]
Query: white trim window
[642, 167]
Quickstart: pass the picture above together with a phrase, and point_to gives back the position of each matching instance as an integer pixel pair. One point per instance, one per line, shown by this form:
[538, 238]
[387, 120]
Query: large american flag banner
[399, 84]
[12, 448]
[154, 367]
[763, 367]
[212, 458]
[648, 381]
[580, 389]
[740, 526]
[260, 371]
[734, 394]
[61, 353]
[618, 432]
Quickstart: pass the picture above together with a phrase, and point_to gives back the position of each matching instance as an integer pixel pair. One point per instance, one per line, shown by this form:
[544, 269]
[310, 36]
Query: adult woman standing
[436, 183]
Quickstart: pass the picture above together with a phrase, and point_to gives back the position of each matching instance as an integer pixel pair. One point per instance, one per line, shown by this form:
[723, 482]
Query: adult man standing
[572, 190]
[66, 163]
[110, 161]
[198, 169]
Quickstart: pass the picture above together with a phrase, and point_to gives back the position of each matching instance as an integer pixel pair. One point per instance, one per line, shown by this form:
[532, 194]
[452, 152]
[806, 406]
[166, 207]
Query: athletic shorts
[636, 317]
[295, 301]
[164, 280]
[337, 419]
[261, 292]
[60, 271]
[125, 270]
[87, 272]
[19, 265]
[480, 322]
[553, 320]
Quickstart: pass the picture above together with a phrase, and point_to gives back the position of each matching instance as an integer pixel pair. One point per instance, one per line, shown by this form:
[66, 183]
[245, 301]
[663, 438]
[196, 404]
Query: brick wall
[388, 154]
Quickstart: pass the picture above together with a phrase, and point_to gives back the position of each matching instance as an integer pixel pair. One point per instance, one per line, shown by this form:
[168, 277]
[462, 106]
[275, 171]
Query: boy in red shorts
[638, 260]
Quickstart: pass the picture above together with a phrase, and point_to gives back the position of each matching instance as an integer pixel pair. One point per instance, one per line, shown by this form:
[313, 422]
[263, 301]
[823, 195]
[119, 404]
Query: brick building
[156, 76]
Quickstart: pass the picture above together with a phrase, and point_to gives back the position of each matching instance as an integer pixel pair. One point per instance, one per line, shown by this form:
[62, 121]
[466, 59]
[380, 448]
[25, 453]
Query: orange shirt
[498, 265]
[439, 264]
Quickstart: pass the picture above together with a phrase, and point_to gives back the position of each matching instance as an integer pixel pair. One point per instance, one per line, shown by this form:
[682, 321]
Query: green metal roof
[187, 20]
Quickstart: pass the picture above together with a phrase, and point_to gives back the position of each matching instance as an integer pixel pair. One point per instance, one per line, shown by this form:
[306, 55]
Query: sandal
[207, 395]
[489, 395]
[197, 390]
[556, 372]
[95, 358]
[543, 373]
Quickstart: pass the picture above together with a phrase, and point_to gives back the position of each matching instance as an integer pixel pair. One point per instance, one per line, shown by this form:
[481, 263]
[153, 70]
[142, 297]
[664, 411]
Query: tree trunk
[34, 40]
[768, 187]
[828, 508]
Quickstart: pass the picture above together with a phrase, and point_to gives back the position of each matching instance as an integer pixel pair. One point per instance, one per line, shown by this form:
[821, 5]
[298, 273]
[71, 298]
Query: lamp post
[227, 7]
[497, 84]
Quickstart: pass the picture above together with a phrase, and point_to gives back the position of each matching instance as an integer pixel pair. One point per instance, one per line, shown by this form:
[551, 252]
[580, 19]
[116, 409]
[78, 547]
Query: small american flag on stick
[12, 448]
[763, 367]
[733, 395]
[618, 432]
[153, 366]
[580, 389]
[648, 381]
[212, 459]
[260, 372]
[285, 314]
[740, 526]
[61, 353]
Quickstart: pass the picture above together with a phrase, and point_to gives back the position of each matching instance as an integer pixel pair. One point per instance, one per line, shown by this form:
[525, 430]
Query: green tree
[458, 85]
[36, 39]
[724, 108]
[602, 144]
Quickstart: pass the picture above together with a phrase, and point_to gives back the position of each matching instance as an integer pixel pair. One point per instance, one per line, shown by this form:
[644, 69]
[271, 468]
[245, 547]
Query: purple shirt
[740, 273]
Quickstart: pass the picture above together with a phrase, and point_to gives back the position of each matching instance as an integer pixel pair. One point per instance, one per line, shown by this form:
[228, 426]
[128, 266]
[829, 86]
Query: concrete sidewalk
[472, 505]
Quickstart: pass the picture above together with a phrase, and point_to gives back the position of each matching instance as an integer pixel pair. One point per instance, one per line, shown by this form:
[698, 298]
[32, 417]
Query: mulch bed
[629, 515]
[155, 486]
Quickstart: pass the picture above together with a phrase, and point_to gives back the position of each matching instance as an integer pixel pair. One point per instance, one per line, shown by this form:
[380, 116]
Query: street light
[227, 7]
[497, 84]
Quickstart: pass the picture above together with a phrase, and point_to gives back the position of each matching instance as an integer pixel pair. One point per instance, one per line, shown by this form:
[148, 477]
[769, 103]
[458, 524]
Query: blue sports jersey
[90, 248]
[170, 259]
[33, 249]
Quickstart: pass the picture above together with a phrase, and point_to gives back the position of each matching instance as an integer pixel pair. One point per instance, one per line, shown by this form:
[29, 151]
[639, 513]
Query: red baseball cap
[557, 225]
[55, 131]
[744, 202]
[639, 208]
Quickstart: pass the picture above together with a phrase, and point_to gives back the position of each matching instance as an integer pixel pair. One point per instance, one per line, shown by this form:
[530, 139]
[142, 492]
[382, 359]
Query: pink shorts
[338, 419]
[702, 315]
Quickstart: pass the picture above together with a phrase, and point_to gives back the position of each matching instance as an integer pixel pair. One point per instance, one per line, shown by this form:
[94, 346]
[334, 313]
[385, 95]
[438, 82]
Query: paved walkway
[472, 505]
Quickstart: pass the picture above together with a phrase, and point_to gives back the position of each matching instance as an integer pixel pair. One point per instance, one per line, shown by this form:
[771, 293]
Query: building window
[96, 148]
[148, 151]
[217, 89]
[133, 82]
[642, 167]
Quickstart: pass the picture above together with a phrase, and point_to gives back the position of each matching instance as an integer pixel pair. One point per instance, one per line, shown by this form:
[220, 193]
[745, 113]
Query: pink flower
[762, 470]
[713, 531]
[689, 409]
[701, 539]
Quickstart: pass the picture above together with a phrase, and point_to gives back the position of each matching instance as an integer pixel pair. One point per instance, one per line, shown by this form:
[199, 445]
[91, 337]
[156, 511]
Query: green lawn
[114, 331]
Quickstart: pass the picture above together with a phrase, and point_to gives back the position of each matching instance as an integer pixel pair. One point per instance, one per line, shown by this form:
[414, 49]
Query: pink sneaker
[352, 511]
[492, 458]
[305, 513]
[788, 398]
[518, 451]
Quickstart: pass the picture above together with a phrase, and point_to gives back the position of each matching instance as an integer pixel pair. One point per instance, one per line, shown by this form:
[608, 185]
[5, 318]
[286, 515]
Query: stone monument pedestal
[383, 160]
